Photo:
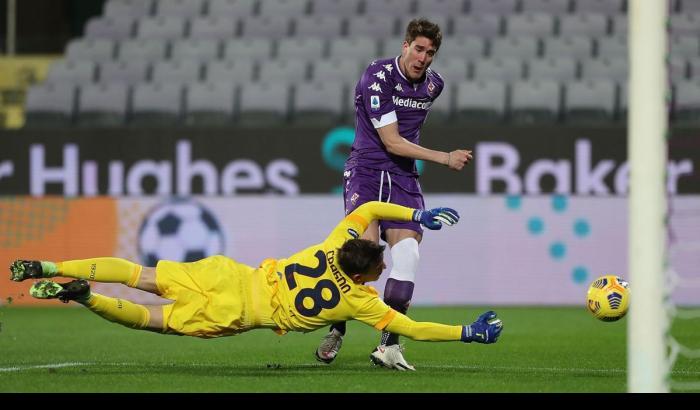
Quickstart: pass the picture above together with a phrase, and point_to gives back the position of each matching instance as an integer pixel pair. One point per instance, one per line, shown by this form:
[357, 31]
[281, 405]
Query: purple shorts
[366, 184]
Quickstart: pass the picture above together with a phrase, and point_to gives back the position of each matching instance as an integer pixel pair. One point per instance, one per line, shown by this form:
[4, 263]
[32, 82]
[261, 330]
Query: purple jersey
[383, 96]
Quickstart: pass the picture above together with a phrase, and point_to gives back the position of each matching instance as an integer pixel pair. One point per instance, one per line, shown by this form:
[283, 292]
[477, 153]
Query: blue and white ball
[180, 230]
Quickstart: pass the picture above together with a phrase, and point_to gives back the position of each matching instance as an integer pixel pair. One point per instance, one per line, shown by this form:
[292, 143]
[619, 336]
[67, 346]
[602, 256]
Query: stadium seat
[102, 105]
[478, 25]
[256, 49]
[531, 24]
[578, 47]
[618, 26]
[551, 7]
[373, 26]
[556, 69]
[180, 72]
[687, 103]
[465, 47]
[612, 47]
[128, 8]
[440, 7]
[694, 68]
[388, 7]
[685, 46]
[688, 6]
[50, 105]
[237, 71]
[343, 71]
[112, 28]
[319, 26]
[71, 72]
[210, 104]
[535, 102]
[341, 8]
[525, 48]
[480, 101]
[160, 28]
[606, 7]
[677, 68]
[270, 27]
[179, 8]
[232, 8]
[300, 48]
[504, 69]
[441, 20]
[289, 71]
[142, 49]
[195, 49]
[263, 104]
[452, 70]
[500, 7]
[685, 24]
[213, 28]
[127, 72]
[591, 25]
[318, 104]
[615, 69]
[391, 46]
[590, 101]
[93, 49]
[358, 48]
[156, 104]
[289, 8]
[622, 98]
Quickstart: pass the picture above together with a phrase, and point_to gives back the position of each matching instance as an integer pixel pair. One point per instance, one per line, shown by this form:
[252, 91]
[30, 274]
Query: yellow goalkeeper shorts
[211, 296]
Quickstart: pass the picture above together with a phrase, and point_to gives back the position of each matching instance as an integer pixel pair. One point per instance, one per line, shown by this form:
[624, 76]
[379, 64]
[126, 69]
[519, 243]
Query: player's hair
[359, 256]
[426, 28]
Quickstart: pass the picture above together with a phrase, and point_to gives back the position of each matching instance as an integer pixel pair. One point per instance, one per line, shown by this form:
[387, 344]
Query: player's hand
[457, 159]
[434, 218]
[485, 329]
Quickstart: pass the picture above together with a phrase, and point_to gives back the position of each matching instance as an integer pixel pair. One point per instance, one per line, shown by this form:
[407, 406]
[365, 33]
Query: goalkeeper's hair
[359, 256]
[426, 28]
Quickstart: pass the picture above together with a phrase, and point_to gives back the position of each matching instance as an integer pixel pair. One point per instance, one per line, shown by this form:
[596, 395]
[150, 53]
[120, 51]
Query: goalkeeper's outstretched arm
[486, 329]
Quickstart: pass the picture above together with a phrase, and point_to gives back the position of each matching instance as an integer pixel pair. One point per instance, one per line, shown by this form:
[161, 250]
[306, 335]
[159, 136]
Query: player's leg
[108, 269]
[124, 312]
[398, 292]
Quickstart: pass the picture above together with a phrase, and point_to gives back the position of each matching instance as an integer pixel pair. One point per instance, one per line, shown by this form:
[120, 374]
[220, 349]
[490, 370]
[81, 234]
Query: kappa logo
[354, 197]
[374, 102]
[375, 87]
[398, 88]
[380, 75]
[389, 67]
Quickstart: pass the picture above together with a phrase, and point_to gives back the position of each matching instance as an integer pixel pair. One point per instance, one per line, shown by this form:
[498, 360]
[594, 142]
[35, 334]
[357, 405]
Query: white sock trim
[404, 259]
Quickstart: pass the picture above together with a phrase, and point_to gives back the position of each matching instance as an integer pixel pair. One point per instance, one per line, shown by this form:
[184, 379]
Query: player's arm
[398, 145]
[486, 329]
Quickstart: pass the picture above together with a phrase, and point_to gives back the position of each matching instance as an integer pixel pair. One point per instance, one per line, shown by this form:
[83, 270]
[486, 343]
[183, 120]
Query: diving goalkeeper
[218, 296]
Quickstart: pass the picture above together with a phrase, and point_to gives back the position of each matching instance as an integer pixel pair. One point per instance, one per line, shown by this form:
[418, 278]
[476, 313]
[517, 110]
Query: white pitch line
[43, 366]
[313, 365]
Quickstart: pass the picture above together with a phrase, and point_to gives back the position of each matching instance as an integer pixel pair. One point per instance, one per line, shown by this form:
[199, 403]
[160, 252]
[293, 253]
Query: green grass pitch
[542, 349]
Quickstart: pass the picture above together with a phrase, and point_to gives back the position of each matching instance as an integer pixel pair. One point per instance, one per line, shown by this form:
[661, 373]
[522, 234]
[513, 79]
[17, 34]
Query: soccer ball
[608, 298]
[179, 230]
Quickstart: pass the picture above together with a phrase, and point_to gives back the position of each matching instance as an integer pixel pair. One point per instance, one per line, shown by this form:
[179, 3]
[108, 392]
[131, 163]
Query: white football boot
[390, 357]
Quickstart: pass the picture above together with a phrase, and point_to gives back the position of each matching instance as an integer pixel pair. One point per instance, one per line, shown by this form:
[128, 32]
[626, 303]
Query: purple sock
[397, 294]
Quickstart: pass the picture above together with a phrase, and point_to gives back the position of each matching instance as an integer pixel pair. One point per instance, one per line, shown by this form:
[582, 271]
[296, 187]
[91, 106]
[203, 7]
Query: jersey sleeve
[423, 331]
[377, 90]
[356, 223]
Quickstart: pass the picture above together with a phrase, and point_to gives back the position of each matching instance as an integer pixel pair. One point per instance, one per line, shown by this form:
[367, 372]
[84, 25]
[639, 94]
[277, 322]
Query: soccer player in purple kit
[392, 100]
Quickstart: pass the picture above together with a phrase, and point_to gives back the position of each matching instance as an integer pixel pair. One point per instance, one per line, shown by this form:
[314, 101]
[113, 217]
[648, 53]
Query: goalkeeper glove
[485, 329]
[434, 218]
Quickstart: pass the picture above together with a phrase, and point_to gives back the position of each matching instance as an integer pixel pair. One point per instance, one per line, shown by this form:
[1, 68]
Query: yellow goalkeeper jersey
[312, 289]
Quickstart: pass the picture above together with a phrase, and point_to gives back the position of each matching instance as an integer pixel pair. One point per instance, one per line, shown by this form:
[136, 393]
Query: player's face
[417, 57]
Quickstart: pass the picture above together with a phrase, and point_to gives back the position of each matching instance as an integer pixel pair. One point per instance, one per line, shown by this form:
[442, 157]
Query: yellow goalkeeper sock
[119, 311]
[115, 270]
